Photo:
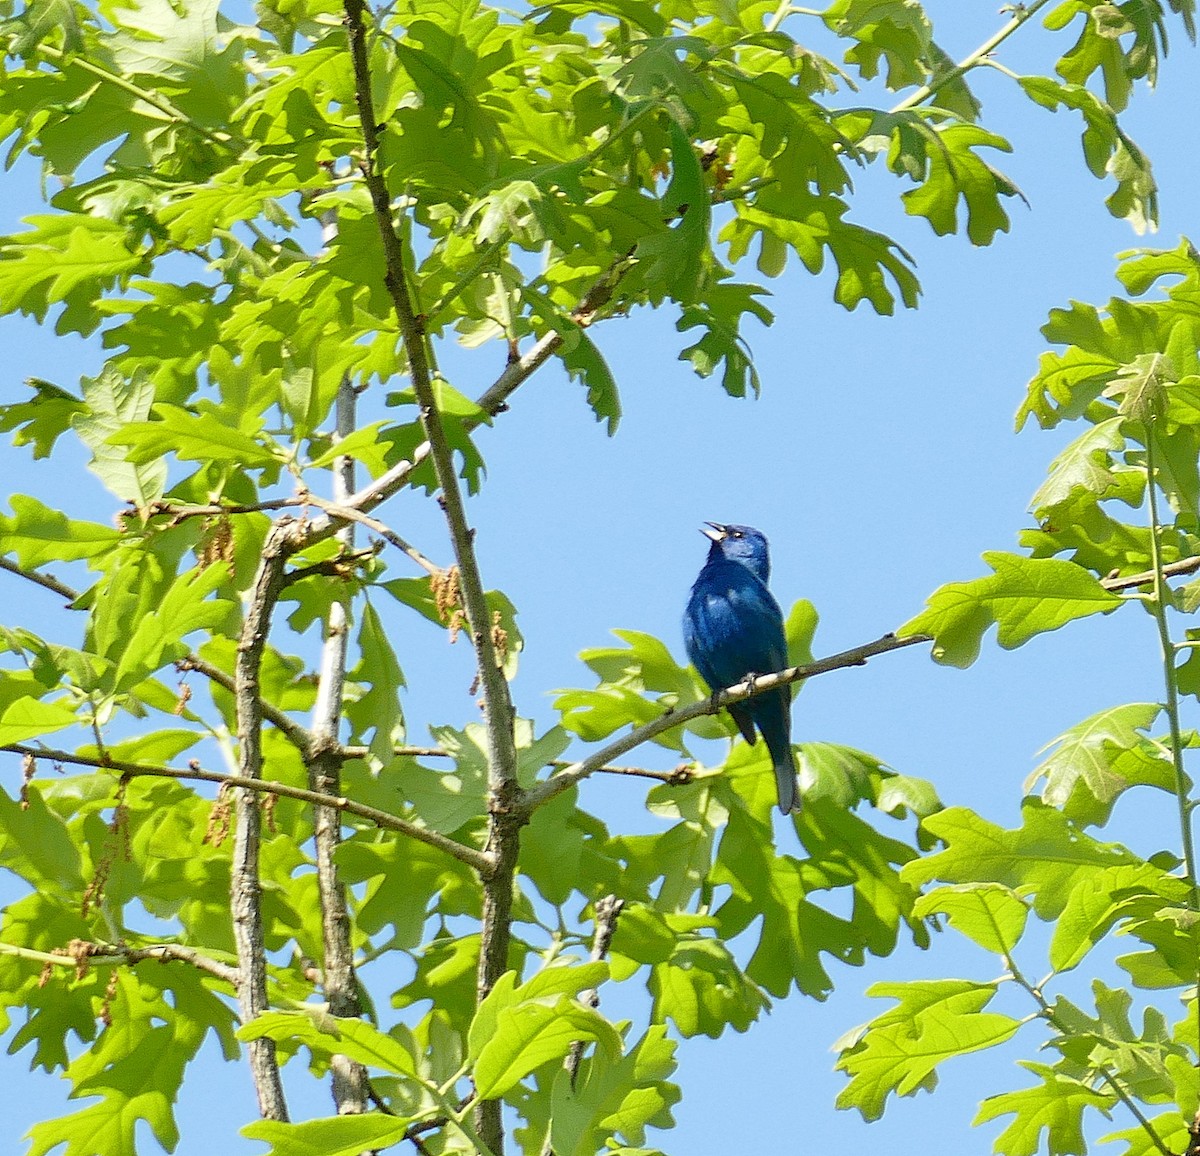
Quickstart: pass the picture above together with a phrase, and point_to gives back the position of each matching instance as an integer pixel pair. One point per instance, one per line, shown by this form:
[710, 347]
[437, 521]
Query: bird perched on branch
[732, 629]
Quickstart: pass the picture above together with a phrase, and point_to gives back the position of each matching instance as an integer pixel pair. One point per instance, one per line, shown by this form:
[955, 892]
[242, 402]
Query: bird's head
[742, 544]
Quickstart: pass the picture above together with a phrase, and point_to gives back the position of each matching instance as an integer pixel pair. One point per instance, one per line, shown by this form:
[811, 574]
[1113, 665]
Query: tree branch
[678, 776]
[245, 890]
[1020, 14]
[1170, 570]
[348, 514]
[81, 952]
[296, 734]
[385, 820]
[340, 984]
[503, 790]
[48, 581]
[577, 772]
[607, 911]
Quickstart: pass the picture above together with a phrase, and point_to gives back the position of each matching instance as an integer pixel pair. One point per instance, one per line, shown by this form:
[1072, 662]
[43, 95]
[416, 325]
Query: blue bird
[732, 628]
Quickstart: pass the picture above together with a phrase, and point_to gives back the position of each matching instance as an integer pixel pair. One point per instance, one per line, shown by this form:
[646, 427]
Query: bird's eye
[736, 534]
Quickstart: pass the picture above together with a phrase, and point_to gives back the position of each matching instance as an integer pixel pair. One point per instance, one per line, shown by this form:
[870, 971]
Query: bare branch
[475, 859]
[296, 734]
[48, 581]
[503, 789]
[579, 771]
[677, 777]
[245, 889]
[1170, 570]
[81, 952]
[350, 1085]
[349, 514]
[182, 511]
[360, 752]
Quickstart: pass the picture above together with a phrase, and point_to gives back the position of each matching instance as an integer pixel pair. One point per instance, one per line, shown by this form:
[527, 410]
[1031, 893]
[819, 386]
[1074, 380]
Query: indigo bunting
[732, 628]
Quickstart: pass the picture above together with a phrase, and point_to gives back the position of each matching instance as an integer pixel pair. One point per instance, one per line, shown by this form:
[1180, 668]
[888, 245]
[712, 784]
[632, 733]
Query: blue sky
[881, 461]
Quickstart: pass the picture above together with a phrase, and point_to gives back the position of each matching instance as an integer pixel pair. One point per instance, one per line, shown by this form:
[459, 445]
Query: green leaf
[1085, 465]
[1056, 1106]
[1097, 759]
[137, 1064]
[1024, 597]
[1047, 856]
[187, 605]
[1140, 388]
[1109, 1038]
[325, 1035]
[335, 1136]
[989, 913]
[26, 718]
[899, 1051]
[37, 845]
[899, 35]
[43, 419]
[38, 534]
[377, 707]
[1130, 893]
[614, 1095]
[517, 1029]
[1107, 148]
[66, 258]
[202, 437]
[113, 404]
[700, 988]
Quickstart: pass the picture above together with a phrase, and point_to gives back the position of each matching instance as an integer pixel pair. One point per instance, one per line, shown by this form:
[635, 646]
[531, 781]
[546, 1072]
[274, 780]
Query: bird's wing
[733, 626]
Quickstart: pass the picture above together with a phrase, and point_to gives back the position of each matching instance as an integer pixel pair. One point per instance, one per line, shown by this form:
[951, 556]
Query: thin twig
[576, 772]
[182, 511]
[1147, 577]
[385, 820]
[48, 581]
[1020, 14]
[296, 734]
[80, 951]
[678, 776]
[349, 514]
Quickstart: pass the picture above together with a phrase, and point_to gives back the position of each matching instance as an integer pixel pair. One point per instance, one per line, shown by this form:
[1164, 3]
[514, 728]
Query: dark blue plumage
[733, 627]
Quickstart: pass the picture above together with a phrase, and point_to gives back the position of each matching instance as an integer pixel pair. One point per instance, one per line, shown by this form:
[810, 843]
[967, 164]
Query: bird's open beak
[717, 533]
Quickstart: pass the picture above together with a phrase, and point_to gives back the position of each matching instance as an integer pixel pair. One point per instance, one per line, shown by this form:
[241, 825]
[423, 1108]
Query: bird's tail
[785, 783]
